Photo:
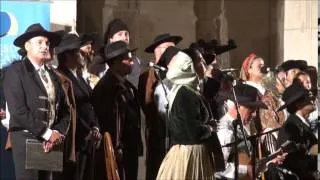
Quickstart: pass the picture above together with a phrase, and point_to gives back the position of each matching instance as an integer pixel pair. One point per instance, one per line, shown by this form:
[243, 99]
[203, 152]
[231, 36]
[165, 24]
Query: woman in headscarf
[189, 125]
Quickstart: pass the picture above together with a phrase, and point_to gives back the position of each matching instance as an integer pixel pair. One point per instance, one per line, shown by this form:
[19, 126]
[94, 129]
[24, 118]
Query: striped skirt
[187, 162]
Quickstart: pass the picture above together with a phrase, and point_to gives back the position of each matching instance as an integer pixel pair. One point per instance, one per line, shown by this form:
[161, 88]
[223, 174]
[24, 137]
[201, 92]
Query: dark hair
[296, 78]
[62, 57]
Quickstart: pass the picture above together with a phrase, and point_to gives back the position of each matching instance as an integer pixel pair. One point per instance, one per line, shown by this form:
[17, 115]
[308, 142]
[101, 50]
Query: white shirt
[225, 135]
[161, 100]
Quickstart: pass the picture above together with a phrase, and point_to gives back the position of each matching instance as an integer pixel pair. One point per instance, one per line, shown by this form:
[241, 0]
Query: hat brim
[22, 39]
[73, 46]
[255, 104]
[174, 39]
[244, 101]
[88, 38]
[292, 100]
[117, 53]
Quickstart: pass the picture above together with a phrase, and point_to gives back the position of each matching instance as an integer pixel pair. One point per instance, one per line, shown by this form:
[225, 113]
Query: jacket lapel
[81, 86]
[34, 75]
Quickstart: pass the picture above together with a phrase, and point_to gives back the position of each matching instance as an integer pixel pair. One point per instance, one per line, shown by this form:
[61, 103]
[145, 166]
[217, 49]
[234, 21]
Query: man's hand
[2, 114]
[313, 150]
[94, 135]
[56, 137]
[279, 159]
[47, 146]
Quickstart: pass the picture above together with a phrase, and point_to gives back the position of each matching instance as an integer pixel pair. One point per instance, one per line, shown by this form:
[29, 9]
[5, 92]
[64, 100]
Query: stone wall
[276, 30]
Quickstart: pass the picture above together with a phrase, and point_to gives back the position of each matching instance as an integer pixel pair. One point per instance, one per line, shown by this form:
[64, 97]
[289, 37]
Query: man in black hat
[117, 31]
[164, 49]
[35, 100]
[116, 105]
[247, 99]
[87, 127]
[303, 161]
[87, 53]
[291, 68]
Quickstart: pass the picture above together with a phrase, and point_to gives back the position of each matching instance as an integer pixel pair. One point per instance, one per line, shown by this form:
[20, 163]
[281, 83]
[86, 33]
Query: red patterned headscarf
[244, 74]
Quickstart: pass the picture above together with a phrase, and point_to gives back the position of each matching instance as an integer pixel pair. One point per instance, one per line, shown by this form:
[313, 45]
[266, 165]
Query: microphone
[266, 70]
[151, 64]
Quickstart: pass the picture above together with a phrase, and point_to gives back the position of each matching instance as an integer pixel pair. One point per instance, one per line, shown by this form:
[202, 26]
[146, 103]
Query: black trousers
[18, 140]
[156, 153]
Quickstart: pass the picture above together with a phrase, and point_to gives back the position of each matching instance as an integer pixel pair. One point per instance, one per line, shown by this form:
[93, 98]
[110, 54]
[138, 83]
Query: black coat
[25, 95]
[115, 102]
[86, 118]
[298, 161]
[27, 102]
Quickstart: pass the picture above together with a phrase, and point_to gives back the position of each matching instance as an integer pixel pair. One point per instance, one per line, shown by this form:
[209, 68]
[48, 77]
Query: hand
[56, 137]
[2, 114]
[213, 124]
[279, 159]
[94, 135]
[119, 154]
[47, 146]
[314, 150]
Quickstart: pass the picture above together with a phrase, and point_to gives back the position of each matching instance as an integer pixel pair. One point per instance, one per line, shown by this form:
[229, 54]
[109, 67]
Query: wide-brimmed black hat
[67, 43]
[209, 49]
[294, 64]
[246, 96]
[116, 49]
[87, 38]
[294, 93]
[167, 56]
[33, 31]
[161, 39]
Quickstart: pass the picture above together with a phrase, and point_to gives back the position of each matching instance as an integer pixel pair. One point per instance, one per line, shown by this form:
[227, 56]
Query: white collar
[303, 120]
[258, 86]
[36, 66]
[74, 72]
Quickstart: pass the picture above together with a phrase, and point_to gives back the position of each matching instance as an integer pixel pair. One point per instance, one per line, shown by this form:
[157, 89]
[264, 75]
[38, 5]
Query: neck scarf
[182, 73]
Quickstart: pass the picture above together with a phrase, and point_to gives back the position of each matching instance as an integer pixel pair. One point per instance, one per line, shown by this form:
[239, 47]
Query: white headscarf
[182, 73]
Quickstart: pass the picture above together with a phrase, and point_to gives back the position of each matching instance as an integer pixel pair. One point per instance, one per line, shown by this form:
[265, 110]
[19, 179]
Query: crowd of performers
[201, 121]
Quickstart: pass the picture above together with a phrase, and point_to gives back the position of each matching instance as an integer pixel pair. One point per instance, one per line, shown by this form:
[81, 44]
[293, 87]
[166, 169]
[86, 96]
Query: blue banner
[15, 17]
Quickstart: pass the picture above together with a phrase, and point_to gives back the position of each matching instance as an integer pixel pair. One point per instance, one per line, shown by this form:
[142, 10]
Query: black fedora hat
[33, 31]
[293, 94]
[67, 43]
[87, 38]
[117, 49]
[294, 64]
[161, 39]
[247, 96]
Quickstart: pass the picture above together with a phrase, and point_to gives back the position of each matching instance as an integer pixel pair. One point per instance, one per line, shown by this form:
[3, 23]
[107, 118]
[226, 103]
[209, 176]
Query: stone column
[212, 23]
[300, 31]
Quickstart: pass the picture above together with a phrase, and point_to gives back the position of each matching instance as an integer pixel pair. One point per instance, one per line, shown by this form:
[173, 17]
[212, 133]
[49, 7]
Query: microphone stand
[237, 122]
[167, 109]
